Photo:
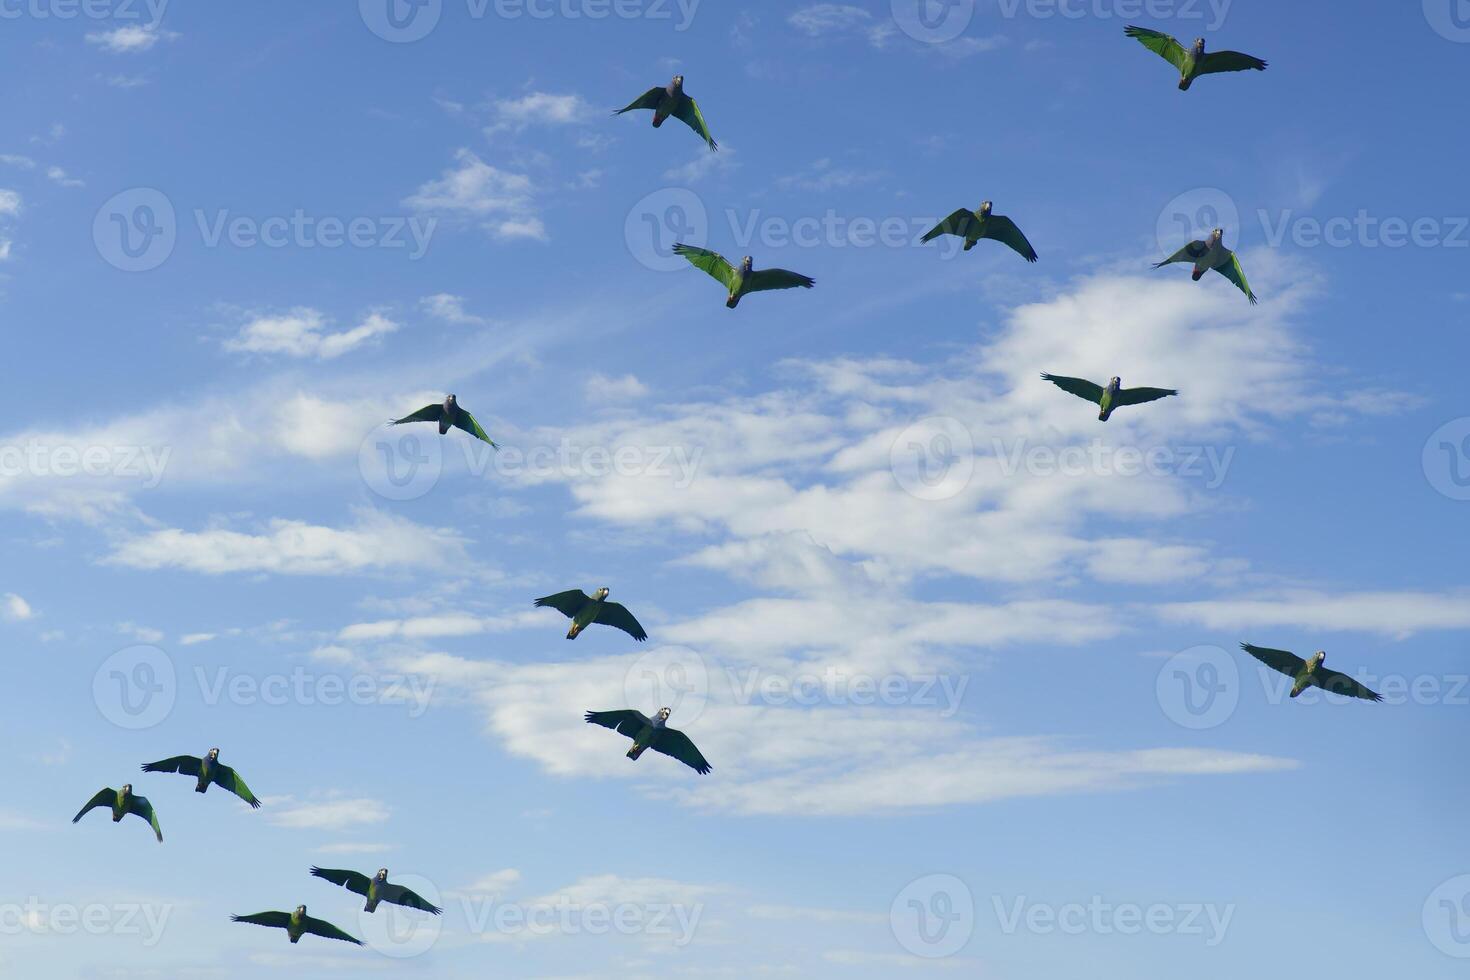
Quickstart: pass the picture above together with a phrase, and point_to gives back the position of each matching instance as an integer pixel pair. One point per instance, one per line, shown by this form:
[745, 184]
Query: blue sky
[963, 659]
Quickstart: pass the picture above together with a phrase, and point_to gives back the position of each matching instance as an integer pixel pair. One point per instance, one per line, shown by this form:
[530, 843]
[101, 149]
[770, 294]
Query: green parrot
[1193, 62]
[208, 770]
[743, 280]
[123, 802]
[376, 889]
[1111, 398]
[1212, 254]
[1310, 673]
[584, 610]
[297, 924]
[670, 100]
[652, 733]
[448, 415]
[975, 225]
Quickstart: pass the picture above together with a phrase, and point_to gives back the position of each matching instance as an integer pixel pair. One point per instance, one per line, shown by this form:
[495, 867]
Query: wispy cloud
[130, 39]
[335, 813]
[14, 609]
[375, 541]
[502, 201]
[304, 333]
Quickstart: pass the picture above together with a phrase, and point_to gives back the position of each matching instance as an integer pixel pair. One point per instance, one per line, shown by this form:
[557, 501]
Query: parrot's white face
[602, 593]
[214, 753]
[301, 910]
[1116, 382]
[663, 714]
[127, 789]
[382, 874]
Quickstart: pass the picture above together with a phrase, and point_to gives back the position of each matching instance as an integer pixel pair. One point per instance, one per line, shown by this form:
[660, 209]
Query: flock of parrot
[583, 610]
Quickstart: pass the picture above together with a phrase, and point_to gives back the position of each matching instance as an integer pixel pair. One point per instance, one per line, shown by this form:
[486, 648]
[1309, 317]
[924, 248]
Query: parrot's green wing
[1139, 396]
[350, 880]
[104, 797]
[467, 422]
[186, 764]
[648, 100]
[676, 745]
[1161, 44]
[139, 805]
[763, 279]
[230, 779]
[275, 920]
[1190, 253]
[689, 112]
[1232, 270]
[1283, 661]
[1080, 387]
[1334, 682]
[398, 895]
[956, 224]
[1004, 230]
[1218, 61]
[429, 413]
[616, 614]
[712, 262]
[567, 603]
[326, 930]
[627, 722]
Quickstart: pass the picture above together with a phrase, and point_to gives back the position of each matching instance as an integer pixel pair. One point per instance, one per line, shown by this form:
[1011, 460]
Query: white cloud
[450, 308]
[143, 634]
[704, 164]
[303, 333]
[59, 176]
[503, 202]
[790, 913]
[334, 813]
[10, 202]
[350, 847]
[544, 108]
[1398, 614]
[375, 541]
[838, 759]
[821, 19]
[194, 639]
[493, 885]
[130, 39]
[823, 177]
[14, 609]
[601, 388]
